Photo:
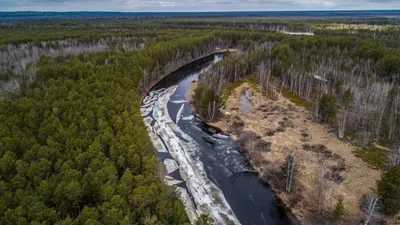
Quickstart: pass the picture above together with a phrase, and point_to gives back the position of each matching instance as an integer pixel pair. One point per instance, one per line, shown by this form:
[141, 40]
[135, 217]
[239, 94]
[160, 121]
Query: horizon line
[201, 11]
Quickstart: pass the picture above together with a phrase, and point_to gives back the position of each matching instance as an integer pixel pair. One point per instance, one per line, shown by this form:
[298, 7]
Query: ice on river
[188, 117]
[202, 196]
[178, 101]
[179, 115]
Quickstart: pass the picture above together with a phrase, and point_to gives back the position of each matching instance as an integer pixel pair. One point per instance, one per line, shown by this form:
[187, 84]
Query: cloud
[193, 5]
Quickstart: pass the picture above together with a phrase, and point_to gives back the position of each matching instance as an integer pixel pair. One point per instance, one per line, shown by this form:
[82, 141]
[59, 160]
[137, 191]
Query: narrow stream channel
[204, 164]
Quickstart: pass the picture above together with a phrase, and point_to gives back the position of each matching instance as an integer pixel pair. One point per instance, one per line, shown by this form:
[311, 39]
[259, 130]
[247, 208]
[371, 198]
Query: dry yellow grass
[358, 178]
[342, 26]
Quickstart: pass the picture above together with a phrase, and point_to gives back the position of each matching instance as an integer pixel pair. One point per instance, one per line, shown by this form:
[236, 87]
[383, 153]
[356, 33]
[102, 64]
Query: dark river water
[250, 200]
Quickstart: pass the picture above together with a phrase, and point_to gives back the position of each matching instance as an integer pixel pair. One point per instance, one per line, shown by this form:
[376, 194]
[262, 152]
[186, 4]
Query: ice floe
[201, 191]
[179, 114]
[187, 117]
[178, 101]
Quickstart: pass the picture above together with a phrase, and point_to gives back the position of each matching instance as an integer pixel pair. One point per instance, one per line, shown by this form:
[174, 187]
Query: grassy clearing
[375, 157]
[228, 89]
[252, 82]
[296, 99]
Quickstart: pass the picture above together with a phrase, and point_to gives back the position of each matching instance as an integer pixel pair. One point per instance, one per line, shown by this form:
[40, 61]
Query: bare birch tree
[288, 168]
[212, 111]
[369, 206]
[322, 188]
[345, 103]
[394, 157]
[394, 102]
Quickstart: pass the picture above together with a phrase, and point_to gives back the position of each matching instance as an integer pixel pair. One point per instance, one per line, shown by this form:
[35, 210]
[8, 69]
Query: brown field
[342, 26]
[289, 128]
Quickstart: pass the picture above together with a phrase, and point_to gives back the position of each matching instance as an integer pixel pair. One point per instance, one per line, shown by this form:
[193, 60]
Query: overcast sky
[193, 5]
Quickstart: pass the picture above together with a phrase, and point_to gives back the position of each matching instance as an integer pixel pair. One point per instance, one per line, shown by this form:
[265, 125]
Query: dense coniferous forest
[74, 149]
[73, 145]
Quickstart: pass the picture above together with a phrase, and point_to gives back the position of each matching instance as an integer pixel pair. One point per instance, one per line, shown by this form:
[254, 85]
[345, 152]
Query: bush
[204, 220]
[389, 190]
[204, 99]
[296, 99]
[328, 108]
[339, 210]
[283, 57]
[374, 156]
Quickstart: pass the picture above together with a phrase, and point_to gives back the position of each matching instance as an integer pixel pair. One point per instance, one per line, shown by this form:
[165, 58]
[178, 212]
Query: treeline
[386, 36]
[46, 33]
[74, 149]
[17, 68]
[363, 78]
[362, 75]
[350, 83]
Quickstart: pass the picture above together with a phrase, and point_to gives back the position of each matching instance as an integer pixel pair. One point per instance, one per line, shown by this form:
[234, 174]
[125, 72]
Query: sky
[193, 5]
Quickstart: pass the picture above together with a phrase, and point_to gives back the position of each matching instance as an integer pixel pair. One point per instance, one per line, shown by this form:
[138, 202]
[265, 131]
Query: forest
[346, 82]
[74, 149]
[73, 146]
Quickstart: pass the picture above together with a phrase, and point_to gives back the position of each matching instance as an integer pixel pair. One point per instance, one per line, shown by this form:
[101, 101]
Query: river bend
[202, 163]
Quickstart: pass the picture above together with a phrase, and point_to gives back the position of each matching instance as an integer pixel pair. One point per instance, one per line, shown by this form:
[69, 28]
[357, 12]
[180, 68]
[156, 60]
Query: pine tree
[389, 189]
[339, 210]
[204, 220]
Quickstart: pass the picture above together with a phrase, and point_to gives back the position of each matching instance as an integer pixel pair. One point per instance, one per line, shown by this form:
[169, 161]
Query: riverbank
[283, 128]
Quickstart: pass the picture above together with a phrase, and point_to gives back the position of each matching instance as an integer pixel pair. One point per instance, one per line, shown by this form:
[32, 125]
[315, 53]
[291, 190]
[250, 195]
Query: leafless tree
[394, 105]
[264, 73]
[212, 111]
[248, 141]
[394, 156]
[369, 206]
[322, 188]
[342, 119]
[289, 169]
[374, 104]
[346, 101]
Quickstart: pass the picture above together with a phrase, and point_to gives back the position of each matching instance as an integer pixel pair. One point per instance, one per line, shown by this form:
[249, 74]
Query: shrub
[204, 220]
[339, 210]
[328, 108]
[204, 98]
[389, 190]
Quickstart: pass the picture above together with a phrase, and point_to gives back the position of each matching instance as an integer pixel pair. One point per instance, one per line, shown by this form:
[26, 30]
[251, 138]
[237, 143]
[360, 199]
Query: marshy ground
[282, 128]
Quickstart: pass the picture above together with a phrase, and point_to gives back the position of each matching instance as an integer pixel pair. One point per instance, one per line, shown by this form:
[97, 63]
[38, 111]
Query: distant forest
[73, 146]
[113, 15]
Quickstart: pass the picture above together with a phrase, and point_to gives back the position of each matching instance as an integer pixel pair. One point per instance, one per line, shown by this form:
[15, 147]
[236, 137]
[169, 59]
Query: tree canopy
[74, 149]
[389, 190]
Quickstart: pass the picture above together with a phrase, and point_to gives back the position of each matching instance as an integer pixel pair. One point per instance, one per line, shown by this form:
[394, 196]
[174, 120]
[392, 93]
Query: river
[209, 173]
